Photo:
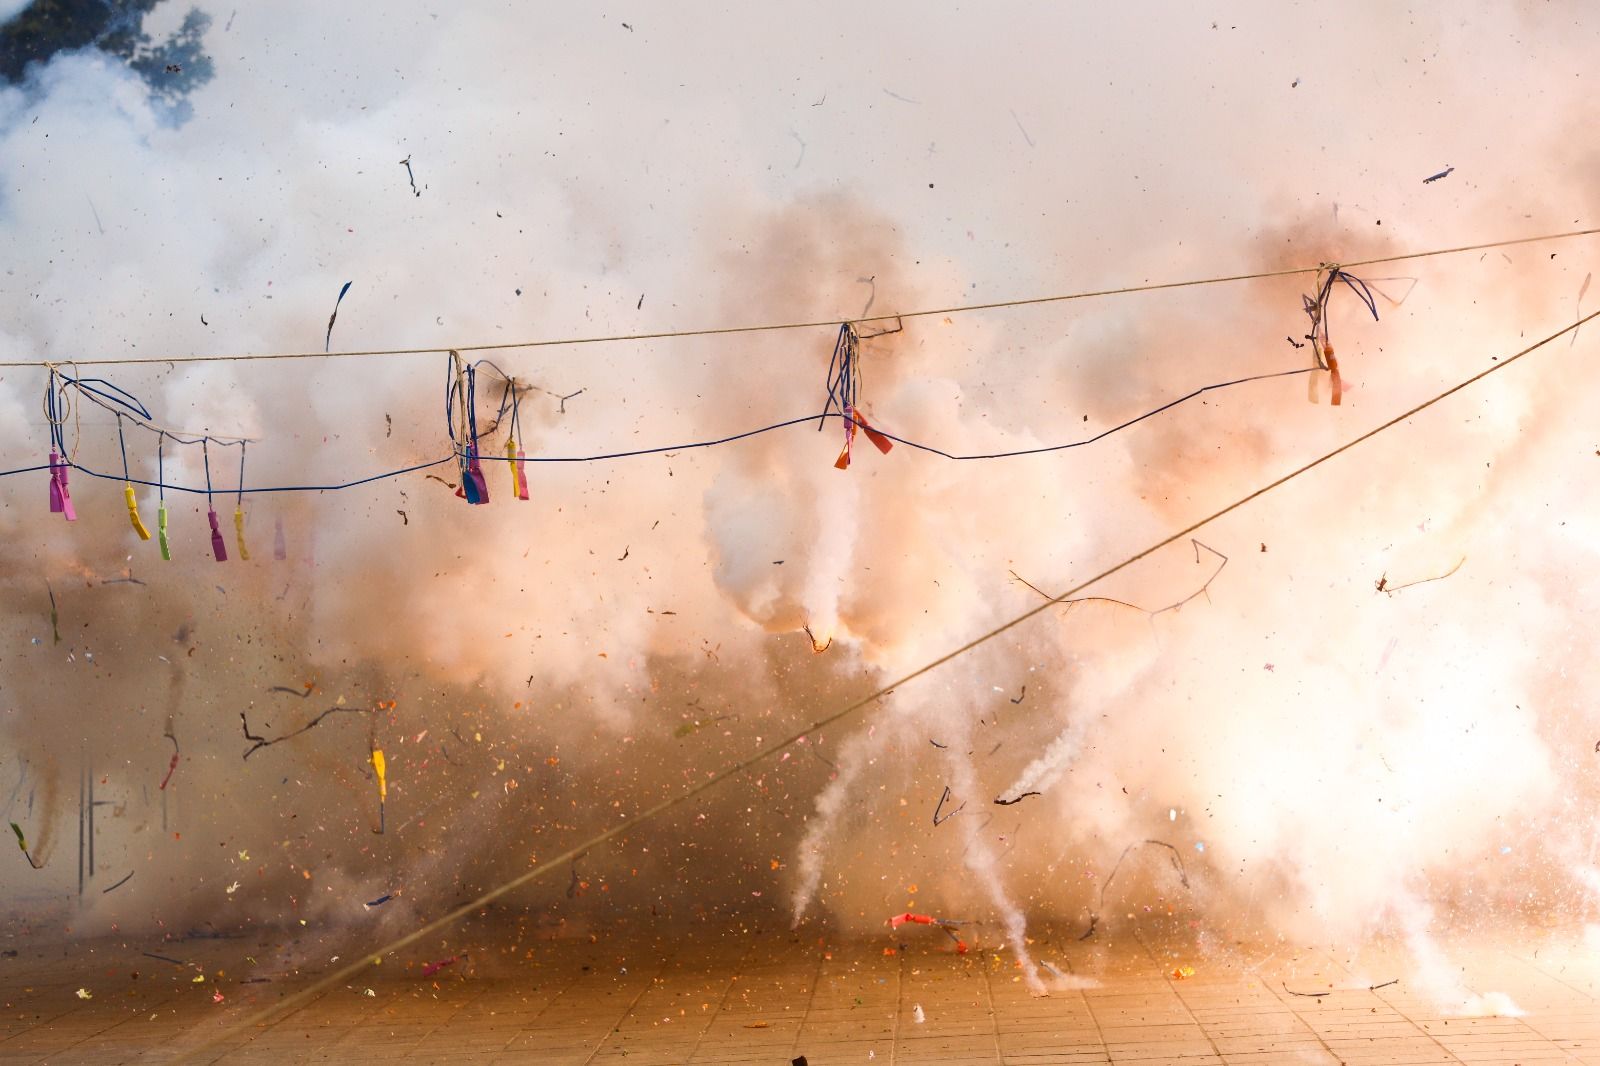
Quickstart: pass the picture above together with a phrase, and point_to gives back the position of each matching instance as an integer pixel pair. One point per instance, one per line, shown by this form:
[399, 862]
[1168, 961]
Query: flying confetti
[379, 766]
[173, 765]
[411, 177]
[434, 967]
[22, 842]
[55, 617]
[328, 340]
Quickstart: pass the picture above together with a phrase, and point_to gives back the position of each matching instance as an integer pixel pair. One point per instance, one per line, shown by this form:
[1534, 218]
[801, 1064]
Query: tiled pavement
[769, 998]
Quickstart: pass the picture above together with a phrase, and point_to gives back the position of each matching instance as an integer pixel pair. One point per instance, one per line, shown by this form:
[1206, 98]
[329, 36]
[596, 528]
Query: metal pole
[92, 806]
[80, 820]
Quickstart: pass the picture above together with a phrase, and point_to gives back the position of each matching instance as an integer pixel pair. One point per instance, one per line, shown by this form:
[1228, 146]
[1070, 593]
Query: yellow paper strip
[238, 528]
[133, 513]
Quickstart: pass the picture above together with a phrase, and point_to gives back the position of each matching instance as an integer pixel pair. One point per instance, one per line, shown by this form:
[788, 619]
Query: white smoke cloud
[1344, 757]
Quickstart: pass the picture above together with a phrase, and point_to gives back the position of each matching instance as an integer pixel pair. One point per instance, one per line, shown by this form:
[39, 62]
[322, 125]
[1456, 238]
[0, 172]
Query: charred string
[1383, 586]
[943, 799]
[22, 779]
[163, 958]
[1305, 995]
[1331, 991]
[1203, 590]
[1177, 864]
[818, 648]
[262, 742]
[1316, 309]
[1578, 310]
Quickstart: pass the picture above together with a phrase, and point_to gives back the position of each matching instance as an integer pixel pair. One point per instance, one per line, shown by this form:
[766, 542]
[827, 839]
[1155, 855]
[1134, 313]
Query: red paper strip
[434, 967]
[921, 919]
[882, 443]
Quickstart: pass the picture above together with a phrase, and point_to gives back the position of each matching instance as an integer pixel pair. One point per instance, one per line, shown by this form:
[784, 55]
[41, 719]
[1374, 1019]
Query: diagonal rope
[296, 999]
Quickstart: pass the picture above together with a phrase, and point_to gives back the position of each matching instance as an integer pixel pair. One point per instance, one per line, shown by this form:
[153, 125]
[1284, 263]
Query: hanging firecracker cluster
[125, 406]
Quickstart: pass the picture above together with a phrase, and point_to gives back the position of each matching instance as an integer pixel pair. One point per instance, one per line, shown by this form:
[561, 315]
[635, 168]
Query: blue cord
[122, 398]
[455, 456]
[1320, 318]
[205, 450]
[52, 409]
[124, 443]
[87, 472]
[841, 375]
